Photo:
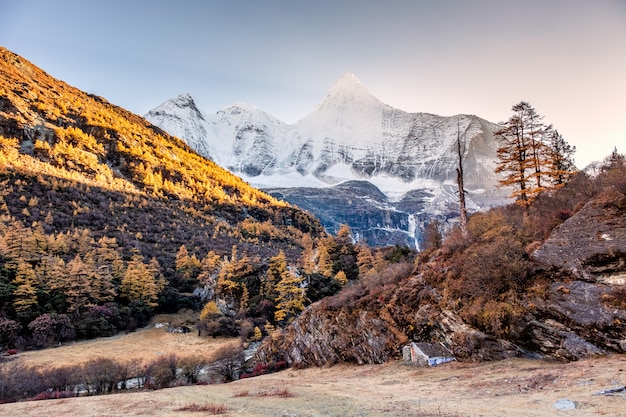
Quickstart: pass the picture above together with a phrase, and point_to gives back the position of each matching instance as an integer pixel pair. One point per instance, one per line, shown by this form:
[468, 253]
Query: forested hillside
[105, 219]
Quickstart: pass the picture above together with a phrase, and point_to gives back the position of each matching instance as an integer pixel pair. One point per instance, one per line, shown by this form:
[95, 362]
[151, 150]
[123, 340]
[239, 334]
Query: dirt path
[507, 388]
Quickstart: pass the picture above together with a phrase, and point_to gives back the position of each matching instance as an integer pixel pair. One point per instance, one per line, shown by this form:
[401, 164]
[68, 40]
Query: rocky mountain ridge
[350, 136]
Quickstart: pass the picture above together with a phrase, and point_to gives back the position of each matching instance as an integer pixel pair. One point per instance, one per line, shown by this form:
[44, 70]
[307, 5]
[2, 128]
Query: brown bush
[161, 372]
[228, 360]
[490, 269]
[101, 375]
[18, 381]
[212, 409]
[496, 317]
[191, 366]
[63, 379]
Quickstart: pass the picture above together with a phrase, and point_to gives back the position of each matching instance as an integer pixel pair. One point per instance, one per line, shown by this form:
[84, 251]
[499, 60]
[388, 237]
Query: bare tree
[459, 179]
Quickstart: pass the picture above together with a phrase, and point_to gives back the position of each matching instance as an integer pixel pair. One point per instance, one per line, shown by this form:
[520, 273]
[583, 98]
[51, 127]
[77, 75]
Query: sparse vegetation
[212, 409]
[278, 392]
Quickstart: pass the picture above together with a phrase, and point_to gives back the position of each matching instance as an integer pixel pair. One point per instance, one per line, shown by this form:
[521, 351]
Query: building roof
[433, 349]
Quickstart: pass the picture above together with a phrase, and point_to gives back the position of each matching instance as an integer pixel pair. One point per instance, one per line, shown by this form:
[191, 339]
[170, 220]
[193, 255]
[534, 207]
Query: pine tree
[227, 281]
[614, 161]
[102, 285]
[182, 258]
[209, 309]
[257, 334]
[78, 290]
[560, 160]
[533, 156]
[345, 255]
[140, 283]
[245, 298]
[307, 257]
[17, 246]
[276, 268]
[537, 133]
[521, 152]
[25, 294]
[209, 270]
[52, 276]
[364, 258]
[341, 278]
[324, 261]
[290, 297]
[106, 255]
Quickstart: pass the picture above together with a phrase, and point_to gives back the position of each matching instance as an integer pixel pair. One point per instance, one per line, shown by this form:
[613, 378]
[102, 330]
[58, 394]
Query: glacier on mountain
[351, 137]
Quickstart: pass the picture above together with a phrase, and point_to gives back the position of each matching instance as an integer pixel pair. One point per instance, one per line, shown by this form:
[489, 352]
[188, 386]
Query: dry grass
[278, 392]
[506, 388]
[139, 347]
[242, 393]
[212, 409]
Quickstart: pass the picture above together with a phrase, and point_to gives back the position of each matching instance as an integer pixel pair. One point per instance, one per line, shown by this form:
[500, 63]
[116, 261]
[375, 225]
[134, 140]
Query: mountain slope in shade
[351, 136]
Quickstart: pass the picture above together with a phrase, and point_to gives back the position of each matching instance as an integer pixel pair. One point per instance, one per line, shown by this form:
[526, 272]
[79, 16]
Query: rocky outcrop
[585, 315]
[592, 243]
[320, 337]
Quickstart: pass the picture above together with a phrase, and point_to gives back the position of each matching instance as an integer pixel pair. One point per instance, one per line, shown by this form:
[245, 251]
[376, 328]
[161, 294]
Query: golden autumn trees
[141, 282]
[89, 192]
[289, 292]
[188, 267]
[78, 291]
[533, 157]
[25, 293]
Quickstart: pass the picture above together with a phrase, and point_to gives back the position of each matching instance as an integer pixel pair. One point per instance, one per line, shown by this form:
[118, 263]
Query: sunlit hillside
[101, 210]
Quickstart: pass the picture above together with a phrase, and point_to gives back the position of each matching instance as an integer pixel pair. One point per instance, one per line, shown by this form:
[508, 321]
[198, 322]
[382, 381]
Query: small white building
[423, 354]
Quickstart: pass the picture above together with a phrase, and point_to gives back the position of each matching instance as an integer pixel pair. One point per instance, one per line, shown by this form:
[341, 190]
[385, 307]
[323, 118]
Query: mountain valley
[107, 220]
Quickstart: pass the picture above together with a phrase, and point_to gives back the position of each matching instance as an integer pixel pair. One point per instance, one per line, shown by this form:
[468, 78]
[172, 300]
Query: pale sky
[566, 57]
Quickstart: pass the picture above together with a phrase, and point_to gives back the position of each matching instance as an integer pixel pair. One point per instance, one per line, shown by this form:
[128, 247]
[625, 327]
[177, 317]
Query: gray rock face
[592, 243]
[371, 215]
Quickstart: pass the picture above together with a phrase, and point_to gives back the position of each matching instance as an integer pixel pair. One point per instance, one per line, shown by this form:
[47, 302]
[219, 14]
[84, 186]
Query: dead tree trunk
[459, 179]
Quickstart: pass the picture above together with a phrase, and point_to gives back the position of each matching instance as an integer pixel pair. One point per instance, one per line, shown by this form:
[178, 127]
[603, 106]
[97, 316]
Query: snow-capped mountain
[352, 137]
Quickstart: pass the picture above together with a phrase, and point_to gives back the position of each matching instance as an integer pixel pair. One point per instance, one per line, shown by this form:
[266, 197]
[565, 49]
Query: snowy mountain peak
[237, 108]
[348, 89]
[181, 117]
[184, 100]
[347, 81]
[183, 104]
